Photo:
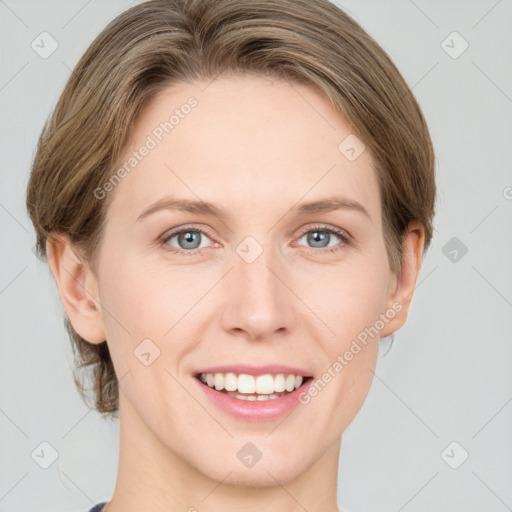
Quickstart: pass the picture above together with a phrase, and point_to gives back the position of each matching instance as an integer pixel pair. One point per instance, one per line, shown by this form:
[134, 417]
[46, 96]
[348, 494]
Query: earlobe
[78, 288]
[402, 286]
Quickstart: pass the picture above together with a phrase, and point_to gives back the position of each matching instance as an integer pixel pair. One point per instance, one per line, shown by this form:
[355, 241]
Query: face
[262, 281]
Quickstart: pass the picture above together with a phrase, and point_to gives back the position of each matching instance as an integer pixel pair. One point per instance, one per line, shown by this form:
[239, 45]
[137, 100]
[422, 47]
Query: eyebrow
[206, 208]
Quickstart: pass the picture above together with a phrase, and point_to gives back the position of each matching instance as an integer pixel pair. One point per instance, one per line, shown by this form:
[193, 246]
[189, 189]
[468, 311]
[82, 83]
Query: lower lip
[256, 410]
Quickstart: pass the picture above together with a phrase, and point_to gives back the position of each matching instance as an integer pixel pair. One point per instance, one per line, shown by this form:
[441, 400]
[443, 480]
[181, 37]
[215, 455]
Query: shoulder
[98, 507]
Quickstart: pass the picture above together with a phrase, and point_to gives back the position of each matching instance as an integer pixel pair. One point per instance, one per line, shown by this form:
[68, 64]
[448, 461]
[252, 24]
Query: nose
[260, 304]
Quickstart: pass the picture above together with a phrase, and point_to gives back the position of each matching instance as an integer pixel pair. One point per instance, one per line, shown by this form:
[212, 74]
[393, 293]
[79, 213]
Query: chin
[266, 472]
[264, 476]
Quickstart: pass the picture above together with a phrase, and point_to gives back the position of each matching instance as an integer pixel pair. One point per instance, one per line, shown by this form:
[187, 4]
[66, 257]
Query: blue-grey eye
[320, 238]
[188, 239]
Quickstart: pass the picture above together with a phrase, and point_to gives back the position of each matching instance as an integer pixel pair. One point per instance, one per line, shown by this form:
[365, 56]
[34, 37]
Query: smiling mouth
[251, 387]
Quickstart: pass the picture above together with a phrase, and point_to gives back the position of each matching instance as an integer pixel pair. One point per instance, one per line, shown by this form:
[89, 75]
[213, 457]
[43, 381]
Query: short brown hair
[160, 42]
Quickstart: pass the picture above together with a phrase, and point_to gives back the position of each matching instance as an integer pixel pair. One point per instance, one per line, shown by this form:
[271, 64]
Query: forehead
[240, 141]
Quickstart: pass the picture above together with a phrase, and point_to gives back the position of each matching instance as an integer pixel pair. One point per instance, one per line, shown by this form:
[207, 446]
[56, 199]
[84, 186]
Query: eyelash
[344, 237]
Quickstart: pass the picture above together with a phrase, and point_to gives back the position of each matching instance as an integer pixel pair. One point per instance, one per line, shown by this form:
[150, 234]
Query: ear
[78, 288]
[401, 287]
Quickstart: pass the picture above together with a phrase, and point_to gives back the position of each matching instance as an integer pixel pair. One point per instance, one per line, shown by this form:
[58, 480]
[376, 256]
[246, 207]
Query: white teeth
[219, 381]
[252, 398]
[261, 387]
[279, 383]
[265, 384]
[230, 382]
[290, 383]
[246, 383]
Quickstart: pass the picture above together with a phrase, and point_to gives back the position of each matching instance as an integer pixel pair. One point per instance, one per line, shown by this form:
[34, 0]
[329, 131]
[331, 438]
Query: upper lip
[255, 370]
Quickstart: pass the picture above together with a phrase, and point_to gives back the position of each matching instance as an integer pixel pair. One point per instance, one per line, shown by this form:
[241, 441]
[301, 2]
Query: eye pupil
[188, 237]
[318, 236]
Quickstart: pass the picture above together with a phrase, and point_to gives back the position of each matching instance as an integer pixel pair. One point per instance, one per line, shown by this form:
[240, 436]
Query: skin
[255, 147]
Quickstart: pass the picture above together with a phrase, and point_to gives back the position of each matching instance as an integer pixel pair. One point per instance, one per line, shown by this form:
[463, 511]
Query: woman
[208, 163]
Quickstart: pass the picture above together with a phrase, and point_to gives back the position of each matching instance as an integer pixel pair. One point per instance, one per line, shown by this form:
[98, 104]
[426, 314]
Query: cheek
[151, 313]
[133, 312]
[142, 323]
[350, 304]
[347, 300]
[144, 303]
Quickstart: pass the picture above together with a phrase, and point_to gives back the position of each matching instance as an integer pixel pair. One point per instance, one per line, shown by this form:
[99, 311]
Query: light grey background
[448, 376]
